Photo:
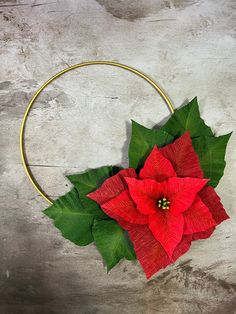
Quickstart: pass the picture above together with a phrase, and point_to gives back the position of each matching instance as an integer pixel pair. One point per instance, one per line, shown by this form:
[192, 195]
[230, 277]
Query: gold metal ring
[22, 150]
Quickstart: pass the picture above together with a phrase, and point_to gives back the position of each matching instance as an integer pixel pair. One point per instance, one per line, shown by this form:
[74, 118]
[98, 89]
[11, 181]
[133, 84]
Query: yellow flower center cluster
[163, 203]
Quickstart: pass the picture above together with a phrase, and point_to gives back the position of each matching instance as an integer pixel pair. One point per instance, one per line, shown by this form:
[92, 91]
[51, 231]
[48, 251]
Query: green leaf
[93, 207]
[142, 142]
[90, 180]
[112, 242]
[211, 152]
[72, 219]
[187, 118]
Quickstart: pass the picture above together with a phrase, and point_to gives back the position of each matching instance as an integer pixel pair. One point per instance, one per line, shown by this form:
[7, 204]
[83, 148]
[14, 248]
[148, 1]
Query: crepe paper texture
[153, 210]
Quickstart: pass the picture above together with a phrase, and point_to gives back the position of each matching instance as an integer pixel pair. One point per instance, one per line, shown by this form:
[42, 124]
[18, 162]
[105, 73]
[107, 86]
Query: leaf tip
[229, 134]
[194, 103]
[47, 211]
[109, 268]
[135, 123]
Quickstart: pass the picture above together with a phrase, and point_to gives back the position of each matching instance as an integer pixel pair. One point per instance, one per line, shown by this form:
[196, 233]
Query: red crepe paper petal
[150, 253]
[112, 187]
[167, 229]
[182, 192]
[183, 157]
[203, 235]
[122, 206]
[212, 201]
[145, 194]
[198, 218]
[182, 247]
[157, 167]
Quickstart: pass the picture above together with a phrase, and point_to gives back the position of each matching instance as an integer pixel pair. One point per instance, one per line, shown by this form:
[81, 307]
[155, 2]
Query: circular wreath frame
[33, 99]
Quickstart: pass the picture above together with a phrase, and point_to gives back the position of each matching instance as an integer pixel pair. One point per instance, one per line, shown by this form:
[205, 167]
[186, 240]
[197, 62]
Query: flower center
[163, 203]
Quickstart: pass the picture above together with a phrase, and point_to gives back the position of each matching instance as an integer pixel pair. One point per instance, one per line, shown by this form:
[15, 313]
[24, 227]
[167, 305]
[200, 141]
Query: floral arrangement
[153, 210]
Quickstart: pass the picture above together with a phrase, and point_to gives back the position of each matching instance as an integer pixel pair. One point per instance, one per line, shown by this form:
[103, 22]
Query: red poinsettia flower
[164, 207]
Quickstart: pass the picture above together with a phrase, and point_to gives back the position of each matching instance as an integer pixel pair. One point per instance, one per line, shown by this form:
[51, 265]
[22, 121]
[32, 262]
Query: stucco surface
[82, 121]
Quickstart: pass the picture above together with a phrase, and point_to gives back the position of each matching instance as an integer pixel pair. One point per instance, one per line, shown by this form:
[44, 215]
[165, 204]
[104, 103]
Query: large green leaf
[72, 219]
[90, 180]
[112, 242]
[211, 152]
[187, 118]
[142, 142]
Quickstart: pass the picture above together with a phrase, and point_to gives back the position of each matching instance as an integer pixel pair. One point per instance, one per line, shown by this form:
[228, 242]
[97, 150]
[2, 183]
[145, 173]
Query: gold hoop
[22, 129]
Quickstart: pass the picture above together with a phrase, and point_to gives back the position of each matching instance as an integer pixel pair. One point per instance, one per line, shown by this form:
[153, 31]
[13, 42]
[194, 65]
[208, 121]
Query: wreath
[153, 210]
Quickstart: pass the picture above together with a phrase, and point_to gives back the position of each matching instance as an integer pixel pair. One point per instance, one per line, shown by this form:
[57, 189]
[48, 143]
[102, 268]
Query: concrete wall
[82, 120]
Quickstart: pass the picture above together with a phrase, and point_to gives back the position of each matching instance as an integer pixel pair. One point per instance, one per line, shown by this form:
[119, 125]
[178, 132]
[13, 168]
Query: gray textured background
[82, 120]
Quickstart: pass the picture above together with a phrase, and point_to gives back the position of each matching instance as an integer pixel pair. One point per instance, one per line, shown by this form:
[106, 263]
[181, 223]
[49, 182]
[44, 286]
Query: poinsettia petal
[183, 157]
[123, 223]
[212, 201]
[122, 206]
[203, 235]
[157, 167]
[181, 192]
[167, 229]
[182, 247]
[198, 218]
[149, 251]
[145, 194]
[112, 187]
